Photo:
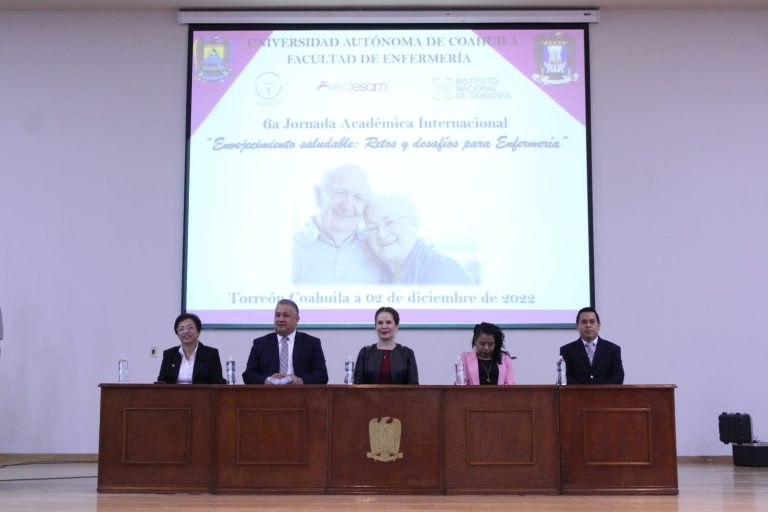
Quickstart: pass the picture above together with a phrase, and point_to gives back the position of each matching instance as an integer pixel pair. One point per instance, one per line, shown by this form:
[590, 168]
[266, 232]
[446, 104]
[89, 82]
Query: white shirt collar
[194, 352]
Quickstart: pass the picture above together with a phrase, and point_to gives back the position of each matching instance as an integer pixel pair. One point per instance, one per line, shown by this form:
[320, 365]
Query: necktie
[590, 351]
[284, 355]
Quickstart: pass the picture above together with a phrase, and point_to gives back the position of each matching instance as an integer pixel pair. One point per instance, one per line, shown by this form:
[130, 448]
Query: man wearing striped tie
[591, 359]
[286, 356]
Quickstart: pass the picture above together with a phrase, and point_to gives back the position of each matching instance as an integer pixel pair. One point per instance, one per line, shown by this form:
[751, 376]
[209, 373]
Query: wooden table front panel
[351, 466]
[618, 439]
[272, 439]
[315, 439]
[501, 439]
[155, 438]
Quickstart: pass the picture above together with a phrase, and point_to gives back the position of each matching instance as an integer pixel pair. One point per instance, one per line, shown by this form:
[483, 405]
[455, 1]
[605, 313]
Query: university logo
[384, 434]
[554, 53]
[212, 59]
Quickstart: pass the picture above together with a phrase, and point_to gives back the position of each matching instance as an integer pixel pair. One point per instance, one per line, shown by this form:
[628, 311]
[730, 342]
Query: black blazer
[606, 367]
[308, 359]
[403, 364]
[207, 368]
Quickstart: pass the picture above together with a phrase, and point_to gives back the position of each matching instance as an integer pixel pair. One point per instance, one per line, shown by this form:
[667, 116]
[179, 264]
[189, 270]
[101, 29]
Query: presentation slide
[439, 170]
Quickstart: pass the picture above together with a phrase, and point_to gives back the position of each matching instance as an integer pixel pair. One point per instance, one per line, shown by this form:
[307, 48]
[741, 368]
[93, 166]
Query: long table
[387, 439]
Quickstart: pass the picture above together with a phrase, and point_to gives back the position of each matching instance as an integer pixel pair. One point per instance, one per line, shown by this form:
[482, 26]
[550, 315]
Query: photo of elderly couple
[359, 237]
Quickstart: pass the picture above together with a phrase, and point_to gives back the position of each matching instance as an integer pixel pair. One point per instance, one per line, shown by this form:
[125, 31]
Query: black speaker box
[735, 428]
[752, 455]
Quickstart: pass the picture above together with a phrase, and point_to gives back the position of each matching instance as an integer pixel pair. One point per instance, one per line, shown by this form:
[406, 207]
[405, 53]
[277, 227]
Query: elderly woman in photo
[392, 226]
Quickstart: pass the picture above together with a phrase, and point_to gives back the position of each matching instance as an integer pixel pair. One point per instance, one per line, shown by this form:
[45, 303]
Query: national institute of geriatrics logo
[555, 55]
[212, 59]
[442, 88]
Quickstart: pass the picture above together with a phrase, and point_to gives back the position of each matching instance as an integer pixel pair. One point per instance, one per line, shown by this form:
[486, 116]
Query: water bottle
[349, 371]
[561, 371]
[459, 371]
[122, 370]
[230, 371]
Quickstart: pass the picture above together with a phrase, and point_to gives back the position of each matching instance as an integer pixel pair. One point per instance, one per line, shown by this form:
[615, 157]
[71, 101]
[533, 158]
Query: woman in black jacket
[191, 362]
[386, 361]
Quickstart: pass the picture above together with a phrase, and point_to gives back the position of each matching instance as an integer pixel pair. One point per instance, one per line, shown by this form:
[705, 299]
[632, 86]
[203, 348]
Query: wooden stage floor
[65, 487]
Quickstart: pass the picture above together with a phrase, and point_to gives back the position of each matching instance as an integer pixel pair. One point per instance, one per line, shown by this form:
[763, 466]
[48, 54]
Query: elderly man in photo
[332, 249]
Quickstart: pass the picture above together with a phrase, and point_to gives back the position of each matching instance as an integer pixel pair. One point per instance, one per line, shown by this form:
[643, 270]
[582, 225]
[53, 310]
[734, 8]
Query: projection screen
[440, 169]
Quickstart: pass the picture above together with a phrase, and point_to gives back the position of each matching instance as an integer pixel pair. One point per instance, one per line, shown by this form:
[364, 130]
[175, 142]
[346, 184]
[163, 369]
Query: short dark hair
[498, 336]
[188, 316]
[387, 309]
[588, 309]
[288, 302]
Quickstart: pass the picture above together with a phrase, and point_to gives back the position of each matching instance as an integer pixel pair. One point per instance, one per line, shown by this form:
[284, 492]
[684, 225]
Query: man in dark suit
[286, 356]
[591, 359]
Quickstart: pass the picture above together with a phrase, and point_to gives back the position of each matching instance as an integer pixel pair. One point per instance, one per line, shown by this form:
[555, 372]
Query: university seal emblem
[212, 58]
[555, 59]
[384, 434]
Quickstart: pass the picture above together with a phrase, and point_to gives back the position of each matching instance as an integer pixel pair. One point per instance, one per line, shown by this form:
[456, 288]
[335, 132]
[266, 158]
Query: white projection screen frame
[442, 169]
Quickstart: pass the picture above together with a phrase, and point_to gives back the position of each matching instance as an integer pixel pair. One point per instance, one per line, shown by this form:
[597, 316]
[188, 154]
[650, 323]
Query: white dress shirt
[187, 366]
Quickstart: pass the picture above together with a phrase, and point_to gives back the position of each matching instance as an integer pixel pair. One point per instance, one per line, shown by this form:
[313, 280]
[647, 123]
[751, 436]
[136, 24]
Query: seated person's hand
[280, 379]
[274, 377]
[296, 379]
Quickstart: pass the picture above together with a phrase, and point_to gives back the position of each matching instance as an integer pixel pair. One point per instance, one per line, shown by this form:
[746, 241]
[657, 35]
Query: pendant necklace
[486, 370]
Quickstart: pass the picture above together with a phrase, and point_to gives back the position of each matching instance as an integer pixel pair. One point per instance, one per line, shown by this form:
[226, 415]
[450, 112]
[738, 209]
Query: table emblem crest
[384, 435]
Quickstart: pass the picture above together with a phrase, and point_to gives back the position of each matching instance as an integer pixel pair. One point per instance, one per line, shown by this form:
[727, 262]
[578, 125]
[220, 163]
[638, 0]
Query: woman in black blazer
[200, 364]
[386, 361]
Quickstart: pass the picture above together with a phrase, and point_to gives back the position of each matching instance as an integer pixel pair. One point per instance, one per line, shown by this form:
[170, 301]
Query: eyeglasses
[372, 228]
[185, 328]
